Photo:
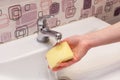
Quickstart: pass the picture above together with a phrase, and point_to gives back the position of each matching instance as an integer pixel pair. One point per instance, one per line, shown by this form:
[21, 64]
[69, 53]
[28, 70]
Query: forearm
[107, 35]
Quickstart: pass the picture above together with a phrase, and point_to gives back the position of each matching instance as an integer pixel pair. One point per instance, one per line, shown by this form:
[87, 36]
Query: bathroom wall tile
[18, 18]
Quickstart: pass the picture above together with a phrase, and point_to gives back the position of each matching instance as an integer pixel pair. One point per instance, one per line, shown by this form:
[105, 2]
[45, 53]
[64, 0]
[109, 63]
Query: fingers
[64, 65]
[58, 68]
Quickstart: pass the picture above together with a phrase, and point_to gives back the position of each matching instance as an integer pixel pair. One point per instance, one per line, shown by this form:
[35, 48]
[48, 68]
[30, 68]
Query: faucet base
[43, 38]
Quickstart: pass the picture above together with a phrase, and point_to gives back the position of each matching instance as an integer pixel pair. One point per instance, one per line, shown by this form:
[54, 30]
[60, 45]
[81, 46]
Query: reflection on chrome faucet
[45, 31]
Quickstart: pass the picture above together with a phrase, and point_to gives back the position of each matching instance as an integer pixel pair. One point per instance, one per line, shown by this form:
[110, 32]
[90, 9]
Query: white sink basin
[24, 59]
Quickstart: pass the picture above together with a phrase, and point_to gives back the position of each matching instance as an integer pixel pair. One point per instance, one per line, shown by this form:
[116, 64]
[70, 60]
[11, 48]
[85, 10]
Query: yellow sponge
[60, 53]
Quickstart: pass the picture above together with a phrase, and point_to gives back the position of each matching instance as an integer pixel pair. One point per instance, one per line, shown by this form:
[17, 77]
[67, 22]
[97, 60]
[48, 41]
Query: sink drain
[64, 78]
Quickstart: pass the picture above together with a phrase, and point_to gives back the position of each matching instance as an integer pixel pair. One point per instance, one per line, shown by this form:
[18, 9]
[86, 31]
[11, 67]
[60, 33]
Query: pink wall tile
[18, 18]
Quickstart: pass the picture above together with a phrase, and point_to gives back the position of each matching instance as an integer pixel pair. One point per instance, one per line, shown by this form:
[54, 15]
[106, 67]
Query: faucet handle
[42, 21]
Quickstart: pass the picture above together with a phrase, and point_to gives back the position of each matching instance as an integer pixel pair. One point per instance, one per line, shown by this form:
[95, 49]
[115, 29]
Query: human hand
[79, 47]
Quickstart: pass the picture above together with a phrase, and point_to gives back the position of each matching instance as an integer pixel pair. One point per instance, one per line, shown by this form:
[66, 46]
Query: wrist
[86, 43]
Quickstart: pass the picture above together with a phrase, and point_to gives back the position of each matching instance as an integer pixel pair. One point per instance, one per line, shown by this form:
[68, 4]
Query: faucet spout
[45, 32]
[57, 35]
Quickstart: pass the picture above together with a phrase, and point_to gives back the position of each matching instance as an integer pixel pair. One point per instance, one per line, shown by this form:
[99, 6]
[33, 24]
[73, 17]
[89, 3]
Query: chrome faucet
[44, 31]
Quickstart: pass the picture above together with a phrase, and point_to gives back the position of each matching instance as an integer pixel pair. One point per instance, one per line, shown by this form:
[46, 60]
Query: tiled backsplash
[18, 17]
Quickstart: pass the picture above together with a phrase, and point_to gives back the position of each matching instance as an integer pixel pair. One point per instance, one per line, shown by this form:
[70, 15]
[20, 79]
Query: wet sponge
[60, 53]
